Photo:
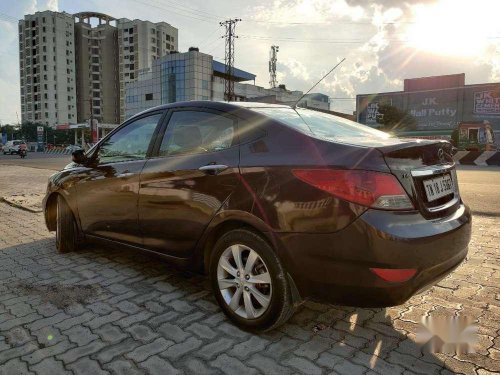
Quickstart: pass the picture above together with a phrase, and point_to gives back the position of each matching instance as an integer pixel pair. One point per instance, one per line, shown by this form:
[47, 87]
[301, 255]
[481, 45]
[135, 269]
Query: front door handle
[124, 175]
[213, 169]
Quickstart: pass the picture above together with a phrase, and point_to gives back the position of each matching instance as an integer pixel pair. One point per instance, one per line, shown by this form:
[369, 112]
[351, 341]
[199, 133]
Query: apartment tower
[97, 68]
[74, 67]
[47, 68]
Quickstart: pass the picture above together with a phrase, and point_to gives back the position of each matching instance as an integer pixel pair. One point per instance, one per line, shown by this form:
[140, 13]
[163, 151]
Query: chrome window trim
[432, 170]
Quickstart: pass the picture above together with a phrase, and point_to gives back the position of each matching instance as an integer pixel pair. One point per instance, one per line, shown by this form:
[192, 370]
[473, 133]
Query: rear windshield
[321, 124]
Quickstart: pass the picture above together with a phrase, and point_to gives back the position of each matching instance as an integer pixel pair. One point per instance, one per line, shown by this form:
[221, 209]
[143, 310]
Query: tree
[393, 119]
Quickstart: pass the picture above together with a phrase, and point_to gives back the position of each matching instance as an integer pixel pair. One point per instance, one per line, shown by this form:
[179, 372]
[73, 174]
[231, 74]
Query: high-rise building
[71, 66]
[97, 68]
[139, 44]
[47, 68]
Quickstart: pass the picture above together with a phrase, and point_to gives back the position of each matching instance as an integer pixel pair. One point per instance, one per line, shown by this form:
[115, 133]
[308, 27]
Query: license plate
[439, 187]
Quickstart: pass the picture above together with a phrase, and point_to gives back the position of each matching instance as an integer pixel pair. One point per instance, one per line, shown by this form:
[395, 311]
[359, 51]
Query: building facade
[194, 75]
[438, 104]
[97, 68]
[47, 68]
[140, 43]
[73, 69]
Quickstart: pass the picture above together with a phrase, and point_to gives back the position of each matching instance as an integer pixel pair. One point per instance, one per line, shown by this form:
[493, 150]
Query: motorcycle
[22, 153]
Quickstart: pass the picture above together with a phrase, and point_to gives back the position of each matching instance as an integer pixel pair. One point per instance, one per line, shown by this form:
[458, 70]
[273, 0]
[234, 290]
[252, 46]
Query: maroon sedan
[276, 204]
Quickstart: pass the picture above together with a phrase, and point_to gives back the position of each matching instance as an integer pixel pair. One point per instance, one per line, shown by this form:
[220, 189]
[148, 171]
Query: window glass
[191, 132]
[131, 142]
[321, 124]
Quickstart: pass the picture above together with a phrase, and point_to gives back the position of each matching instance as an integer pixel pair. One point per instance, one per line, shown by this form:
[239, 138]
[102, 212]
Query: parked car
[278, 205]
[12, 147]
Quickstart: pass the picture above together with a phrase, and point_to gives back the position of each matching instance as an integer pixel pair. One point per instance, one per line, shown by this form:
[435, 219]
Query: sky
[383, 41]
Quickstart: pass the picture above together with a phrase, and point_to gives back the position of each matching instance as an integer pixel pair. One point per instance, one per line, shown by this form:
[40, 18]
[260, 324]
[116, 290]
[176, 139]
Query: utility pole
[273, 58]
[230, 26]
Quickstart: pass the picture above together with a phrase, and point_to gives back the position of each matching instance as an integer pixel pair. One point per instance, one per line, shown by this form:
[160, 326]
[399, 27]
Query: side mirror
[78, 157]
[454, 150]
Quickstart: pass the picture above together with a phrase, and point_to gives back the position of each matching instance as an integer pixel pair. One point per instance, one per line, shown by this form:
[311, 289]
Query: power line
[327, 23]
[179, 11]
[7, 18]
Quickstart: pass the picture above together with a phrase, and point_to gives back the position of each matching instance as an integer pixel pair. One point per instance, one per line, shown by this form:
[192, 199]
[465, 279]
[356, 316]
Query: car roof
[219, 105]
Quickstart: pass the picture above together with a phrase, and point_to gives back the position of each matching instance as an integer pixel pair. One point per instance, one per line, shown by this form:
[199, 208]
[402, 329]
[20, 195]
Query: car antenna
[316, 84]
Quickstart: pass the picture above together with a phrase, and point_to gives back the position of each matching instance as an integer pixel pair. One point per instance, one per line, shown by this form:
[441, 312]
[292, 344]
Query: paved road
[110, 311]
[479, 186]
[36, 160]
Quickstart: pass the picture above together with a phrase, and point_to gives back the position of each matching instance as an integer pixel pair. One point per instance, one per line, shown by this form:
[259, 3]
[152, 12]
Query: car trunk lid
[427, 172]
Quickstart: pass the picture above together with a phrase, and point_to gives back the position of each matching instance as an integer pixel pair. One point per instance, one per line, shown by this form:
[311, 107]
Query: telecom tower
[273, 58]
[230, 26]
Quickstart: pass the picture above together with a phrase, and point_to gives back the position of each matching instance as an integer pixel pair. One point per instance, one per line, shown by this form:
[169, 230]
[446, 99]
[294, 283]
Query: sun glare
[455, 27]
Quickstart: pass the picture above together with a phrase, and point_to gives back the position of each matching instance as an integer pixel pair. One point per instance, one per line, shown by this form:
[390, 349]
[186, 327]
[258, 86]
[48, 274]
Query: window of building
[149, 96]
[131, 75]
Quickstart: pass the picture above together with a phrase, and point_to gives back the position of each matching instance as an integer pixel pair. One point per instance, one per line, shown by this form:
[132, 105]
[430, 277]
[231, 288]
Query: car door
[107, 190]
[194, 172]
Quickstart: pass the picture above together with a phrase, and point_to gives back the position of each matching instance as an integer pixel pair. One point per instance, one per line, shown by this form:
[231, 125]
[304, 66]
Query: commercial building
[194, 75]
[140, 43]
[47, 68]
[75, 67]
[438, 105]
[97, 68]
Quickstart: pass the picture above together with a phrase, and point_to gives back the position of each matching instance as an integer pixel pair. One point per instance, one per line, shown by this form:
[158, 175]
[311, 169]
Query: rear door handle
[213, 169]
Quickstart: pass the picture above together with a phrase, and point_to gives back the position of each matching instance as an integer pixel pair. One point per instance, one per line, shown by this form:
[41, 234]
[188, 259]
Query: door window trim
[94, 150]
[155, 152]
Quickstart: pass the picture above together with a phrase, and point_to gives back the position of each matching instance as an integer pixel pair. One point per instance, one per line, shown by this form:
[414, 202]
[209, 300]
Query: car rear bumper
[335, 267]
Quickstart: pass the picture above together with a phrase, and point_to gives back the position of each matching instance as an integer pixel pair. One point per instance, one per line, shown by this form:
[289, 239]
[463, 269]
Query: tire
[241, 288]
[66, 228]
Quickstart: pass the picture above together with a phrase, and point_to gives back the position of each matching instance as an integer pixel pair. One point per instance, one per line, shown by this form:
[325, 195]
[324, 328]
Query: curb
[20, 206]
[481, 158]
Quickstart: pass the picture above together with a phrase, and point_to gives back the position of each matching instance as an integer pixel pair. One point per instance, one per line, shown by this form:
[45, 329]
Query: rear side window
[195, 132]
[321, 124]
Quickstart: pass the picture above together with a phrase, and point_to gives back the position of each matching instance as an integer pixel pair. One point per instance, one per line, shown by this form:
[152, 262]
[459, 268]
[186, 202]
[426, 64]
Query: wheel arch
[51, 211]
[222, 226]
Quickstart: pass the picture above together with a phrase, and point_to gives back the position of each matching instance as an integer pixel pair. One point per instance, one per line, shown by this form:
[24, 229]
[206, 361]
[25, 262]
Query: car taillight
[367, 188]
[394, 275]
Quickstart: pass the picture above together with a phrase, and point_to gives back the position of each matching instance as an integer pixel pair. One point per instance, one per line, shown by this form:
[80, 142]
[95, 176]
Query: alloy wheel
[244, 281]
